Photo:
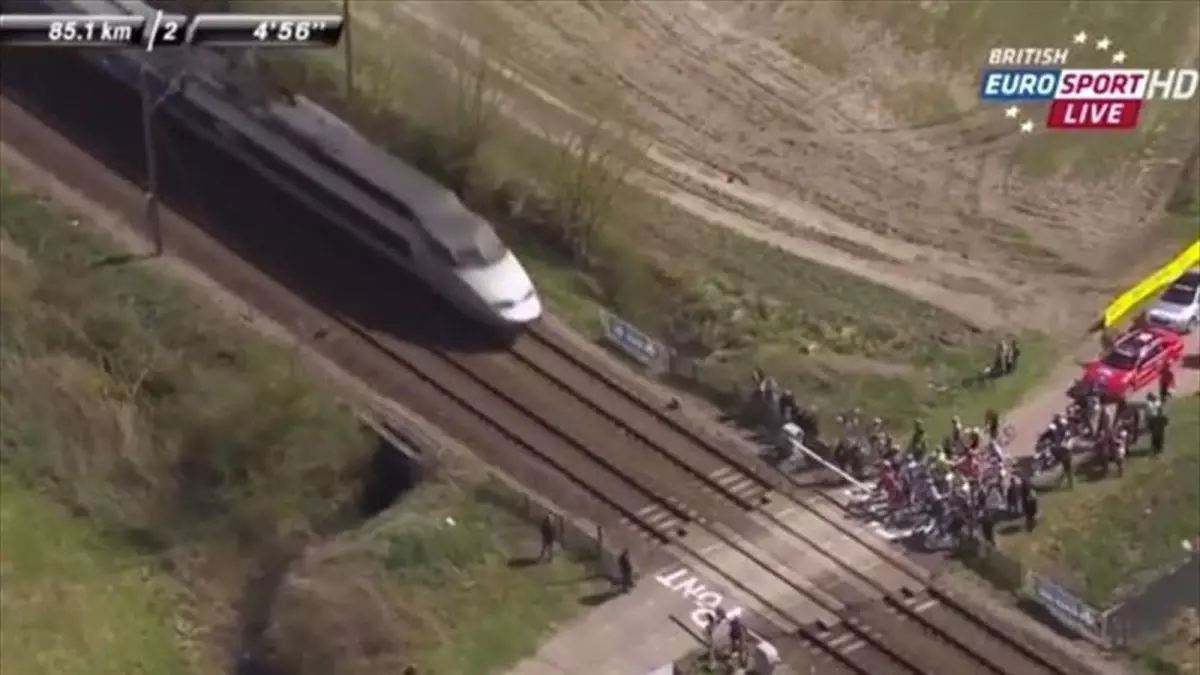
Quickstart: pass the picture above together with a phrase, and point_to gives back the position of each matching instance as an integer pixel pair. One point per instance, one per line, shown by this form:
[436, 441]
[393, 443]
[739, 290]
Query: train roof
[295, 128]
[438, 211]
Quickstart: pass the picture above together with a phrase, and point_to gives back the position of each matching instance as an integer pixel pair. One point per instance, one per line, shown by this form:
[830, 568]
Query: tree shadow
[594, 576]
[600, 597]
[524, 562]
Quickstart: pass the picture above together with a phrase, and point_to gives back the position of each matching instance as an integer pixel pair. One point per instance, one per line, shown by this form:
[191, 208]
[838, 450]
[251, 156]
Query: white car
[1179, 306]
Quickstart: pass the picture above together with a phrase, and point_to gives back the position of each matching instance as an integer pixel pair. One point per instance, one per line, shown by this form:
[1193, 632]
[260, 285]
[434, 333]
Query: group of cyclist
[967, 479]
[944, 489]
[1109, 428]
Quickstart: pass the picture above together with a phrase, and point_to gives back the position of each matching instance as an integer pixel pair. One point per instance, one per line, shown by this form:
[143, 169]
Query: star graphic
[1103, 44]
[1012, 111]
[1027, 127]
[1081, 38]
[1119, 57]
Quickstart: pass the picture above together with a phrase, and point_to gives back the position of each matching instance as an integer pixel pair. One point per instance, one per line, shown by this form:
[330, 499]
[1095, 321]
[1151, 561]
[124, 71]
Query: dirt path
[833, 172]
[693, 185]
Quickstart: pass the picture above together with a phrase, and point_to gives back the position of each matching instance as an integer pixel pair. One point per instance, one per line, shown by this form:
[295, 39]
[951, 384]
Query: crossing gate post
[347, 51]
[151, 214]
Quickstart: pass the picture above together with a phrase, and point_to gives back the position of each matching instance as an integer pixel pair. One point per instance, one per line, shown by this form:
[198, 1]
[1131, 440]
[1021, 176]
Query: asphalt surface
[530, 407]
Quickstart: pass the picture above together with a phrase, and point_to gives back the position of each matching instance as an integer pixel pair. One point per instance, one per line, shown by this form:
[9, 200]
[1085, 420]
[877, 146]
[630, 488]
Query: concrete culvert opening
[392, 471]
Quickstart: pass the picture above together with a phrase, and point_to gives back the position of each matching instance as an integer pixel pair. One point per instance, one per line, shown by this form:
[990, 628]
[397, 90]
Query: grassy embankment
[157, 456]
[593, 242]
[1107, 538]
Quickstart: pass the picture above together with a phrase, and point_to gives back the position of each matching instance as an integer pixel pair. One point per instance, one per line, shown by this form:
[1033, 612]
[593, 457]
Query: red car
[1135, 361]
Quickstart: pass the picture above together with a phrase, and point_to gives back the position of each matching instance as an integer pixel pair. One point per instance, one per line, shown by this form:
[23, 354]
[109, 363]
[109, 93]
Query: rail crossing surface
[706, 523]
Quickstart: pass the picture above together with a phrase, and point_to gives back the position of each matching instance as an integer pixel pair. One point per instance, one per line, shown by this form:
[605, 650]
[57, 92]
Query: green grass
[155, 454]
[1156, 34]
[1110, 536]
[72, 602]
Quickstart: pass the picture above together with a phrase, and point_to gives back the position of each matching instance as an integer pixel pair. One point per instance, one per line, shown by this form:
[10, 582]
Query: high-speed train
[331, 168]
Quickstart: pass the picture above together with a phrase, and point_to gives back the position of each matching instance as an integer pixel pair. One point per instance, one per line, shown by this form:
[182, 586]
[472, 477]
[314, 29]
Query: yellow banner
[1151, 284]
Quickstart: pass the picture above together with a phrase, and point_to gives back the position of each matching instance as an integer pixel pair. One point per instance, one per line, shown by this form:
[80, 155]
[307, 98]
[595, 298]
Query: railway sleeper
[917, 644]
[632, 391]
[853, 650]
[655, 523]
[971, 635]
[739, 487]
[994, 633]
[804, 656]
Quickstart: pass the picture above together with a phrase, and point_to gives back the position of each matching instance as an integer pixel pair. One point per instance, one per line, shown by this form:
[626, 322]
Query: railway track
[556, 419]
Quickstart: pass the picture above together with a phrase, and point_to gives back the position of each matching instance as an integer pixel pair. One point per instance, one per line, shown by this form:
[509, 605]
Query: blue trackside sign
[639, 346]
[1070, 610]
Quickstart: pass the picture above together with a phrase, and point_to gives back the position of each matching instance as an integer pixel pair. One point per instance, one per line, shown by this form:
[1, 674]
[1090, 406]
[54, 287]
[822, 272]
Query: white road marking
[705, 600]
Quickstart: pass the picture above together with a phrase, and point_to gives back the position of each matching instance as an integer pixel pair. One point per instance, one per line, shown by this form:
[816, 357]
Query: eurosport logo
[1095, 97]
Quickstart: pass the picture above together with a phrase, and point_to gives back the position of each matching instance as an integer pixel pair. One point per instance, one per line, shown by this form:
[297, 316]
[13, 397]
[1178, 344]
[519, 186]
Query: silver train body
[331, 168]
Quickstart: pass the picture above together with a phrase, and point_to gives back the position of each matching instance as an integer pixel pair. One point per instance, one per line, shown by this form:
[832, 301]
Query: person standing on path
[1153, 405]
[1157, 423]
[1166, 382]
[991, 423]
[624, 572]
[1012, 497]
[1000, 362]
[987, 527]
[1119, 448]
[712, 621]
[1066, 461]
[1029, 504]
[547, 532]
